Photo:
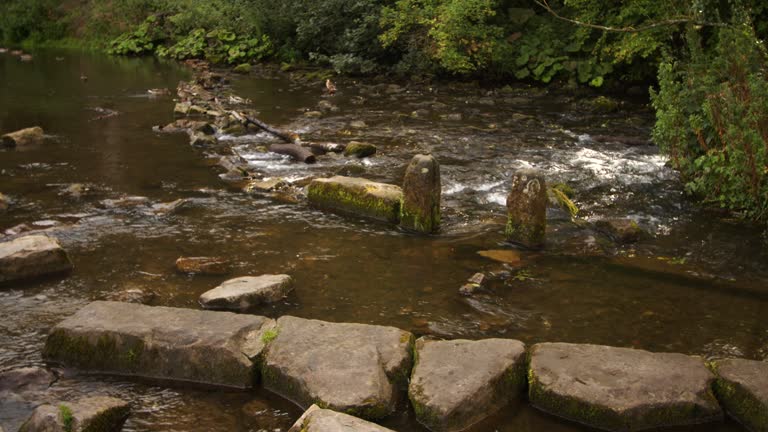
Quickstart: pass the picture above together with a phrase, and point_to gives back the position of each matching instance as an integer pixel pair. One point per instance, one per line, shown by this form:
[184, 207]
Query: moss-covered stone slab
[527, 209]
[357, 369]
[243, 293]
[316, 419]
[458, 383]
[214, 348]
[357, 197]
[620, 389]
[91, 414]
[32, 256]
[420, 210]
[742, 389]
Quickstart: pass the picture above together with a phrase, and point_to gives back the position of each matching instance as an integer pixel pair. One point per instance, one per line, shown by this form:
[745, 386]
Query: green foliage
[712, 118]
[142, 40]
[30, 20]
[269, 335]
[67, 418]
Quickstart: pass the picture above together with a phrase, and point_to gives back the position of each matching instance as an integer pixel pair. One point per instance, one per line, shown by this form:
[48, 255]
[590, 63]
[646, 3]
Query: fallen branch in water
[289, 137]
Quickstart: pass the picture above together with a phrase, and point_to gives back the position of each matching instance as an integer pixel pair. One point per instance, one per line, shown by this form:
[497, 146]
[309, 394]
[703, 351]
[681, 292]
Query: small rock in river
[621, 230]
[474, 284]
[241, 294]
[5, 202]
[33, 135]
[359, 149]
[358, 124]
[451, 117]
[505, 256]
[203, 265]
[313, 114]
[99, 413]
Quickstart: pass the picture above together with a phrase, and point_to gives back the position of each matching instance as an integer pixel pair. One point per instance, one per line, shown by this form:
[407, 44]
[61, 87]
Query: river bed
[696, 284]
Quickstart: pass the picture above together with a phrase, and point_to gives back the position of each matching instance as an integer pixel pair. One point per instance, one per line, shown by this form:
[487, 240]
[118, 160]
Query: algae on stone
[742, 389]
[420, 210]
[356, 196]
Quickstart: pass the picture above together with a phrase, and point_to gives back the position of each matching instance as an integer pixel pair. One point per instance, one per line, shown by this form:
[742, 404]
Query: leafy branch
[630, 29]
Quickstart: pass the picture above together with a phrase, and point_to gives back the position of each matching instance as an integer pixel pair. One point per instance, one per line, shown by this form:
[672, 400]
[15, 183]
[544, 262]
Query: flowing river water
[696, 284]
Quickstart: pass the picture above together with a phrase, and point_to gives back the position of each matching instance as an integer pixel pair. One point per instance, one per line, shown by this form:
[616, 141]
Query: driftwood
[295, 151]
[327, 147]
[289, 137]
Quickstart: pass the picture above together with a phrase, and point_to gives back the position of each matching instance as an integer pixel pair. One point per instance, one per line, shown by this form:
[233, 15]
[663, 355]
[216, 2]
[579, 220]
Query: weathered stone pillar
[527, 209]
[420, 210]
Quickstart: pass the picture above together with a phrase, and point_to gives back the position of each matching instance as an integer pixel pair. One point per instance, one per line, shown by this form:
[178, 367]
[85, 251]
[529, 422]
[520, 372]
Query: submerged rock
[25, 380]
[420, 210]
[458, 383]
[133, 295]
[357, 196]
[359, 149]
[527, 209]
[90, 414]
[352, 368]
[243, 293]
[621, 230]
[316, 419]
[265, 185]
[216, 348]
[203, 265]
[32, 256]
[742, 389]
[29, 136]
[169, 208]
[620, 389]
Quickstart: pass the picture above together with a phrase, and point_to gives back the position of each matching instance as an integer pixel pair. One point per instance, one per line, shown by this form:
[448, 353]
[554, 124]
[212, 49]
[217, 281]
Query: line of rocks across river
[364, 370]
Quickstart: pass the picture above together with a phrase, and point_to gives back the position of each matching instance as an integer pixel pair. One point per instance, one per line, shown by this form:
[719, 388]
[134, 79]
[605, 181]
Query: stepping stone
[357, 197]
[316, 419]
[527, 209]
[215, 348]
[742, 389]
[91, 414]
[457, 383]
[620, 389]
[357, 369]
[420, 210]
[243, 293]
[32, 256]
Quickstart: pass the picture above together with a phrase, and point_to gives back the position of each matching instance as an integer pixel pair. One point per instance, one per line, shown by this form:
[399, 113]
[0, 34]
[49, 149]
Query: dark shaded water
[697, 286]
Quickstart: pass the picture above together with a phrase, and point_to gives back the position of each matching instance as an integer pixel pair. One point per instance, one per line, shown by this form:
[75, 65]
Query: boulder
[32, 256]
[211, 266]
[316, 419]
[357, 369]
[29, 136]
[90, 414]
[359, 149]
[621, 230]
[215, 348]
[25, 380]
[357, 196]
[244, 68]
[742, 389]
[457, 383]
[420, 210]
[243, 293]
[620, 389]
[527, 209]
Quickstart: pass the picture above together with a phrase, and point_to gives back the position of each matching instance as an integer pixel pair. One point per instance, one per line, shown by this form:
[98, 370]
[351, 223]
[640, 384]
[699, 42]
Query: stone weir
[363, 370]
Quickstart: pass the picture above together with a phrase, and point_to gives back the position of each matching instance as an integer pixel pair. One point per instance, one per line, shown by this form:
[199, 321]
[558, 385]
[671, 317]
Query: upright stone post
[420, 210]
[527, 209]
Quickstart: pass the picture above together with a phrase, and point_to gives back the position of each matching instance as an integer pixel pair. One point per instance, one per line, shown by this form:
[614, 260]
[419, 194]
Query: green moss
[101, 353]
[337, 197]
[66, 417]
[108, 420]
[529, 234]
[741, 404]
[244, 68]
[359, 149]
[269, 335]
[414, 219]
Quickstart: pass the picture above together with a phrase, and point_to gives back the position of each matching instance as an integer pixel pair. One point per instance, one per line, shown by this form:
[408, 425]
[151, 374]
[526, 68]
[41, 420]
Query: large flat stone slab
[356, 196]
[215, 348]
[32, 256]
[457, 383]
[357, 369]
[316, 419]
[742, 389]
[90, 414]
[620, 389]
[243, 293]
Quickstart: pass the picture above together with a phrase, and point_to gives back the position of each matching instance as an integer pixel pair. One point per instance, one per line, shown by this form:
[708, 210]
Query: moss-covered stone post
[527, 209]
[420, 210]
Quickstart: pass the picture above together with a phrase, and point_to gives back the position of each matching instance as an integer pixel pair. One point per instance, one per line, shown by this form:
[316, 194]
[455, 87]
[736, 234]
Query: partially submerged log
[288, 137]
[295, 151]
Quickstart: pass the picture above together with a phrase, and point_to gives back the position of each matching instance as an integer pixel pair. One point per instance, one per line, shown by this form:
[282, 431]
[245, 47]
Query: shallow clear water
[697, 285]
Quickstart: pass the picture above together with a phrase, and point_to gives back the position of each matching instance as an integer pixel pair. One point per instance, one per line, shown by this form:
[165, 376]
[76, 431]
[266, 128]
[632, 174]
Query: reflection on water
[698, 286]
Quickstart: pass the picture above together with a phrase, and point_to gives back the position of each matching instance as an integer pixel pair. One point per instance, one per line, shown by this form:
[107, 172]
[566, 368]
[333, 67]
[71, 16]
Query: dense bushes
[712, 119]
